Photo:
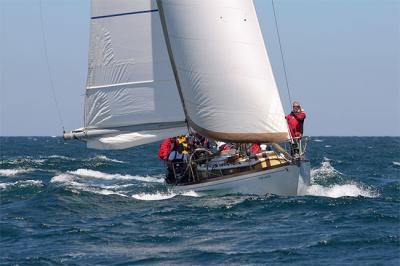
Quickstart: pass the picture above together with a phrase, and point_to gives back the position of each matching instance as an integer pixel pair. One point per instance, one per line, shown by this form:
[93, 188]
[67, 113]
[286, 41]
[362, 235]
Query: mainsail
[154, 62]
[131, 96]
[223, 71]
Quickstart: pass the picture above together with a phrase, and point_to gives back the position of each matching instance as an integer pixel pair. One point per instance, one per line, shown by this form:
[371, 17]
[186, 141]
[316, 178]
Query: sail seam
[125, 14]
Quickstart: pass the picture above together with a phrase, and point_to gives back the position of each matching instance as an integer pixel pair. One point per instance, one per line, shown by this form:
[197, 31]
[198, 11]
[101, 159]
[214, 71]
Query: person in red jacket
[295, 120]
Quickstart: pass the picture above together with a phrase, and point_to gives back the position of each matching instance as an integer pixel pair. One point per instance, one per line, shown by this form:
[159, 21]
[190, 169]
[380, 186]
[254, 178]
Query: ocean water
[64, 204]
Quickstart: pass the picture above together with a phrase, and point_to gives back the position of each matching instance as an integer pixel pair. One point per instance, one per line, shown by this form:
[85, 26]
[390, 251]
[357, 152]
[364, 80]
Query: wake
[163, 195]
[327, 172]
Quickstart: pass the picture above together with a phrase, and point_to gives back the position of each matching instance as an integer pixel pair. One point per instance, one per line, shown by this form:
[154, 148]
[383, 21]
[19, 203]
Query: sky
[342, 59]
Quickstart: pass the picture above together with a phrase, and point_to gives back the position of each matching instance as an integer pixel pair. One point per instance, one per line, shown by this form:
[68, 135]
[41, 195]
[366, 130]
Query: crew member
[295, 120]
[176, 164]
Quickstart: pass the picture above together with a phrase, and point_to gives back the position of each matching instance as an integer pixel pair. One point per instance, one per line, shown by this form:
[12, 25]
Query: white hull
[284, 181]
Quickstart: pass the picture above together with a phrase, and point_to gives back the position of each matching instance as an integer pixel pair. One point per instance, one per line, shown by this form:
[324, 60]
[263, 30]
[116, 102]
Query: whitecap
[106, 176]
[317, 140]
[116, 187]
[69, 181]
[106, 159]
[21, 184]
[328, 146]
[25, 160]
[396, 163]
[337, 191]
[163, 195]
[191, 193]
[61, 157]
[154, 196]
[95, 190]
[62, 178]
[324, 171]
[14, 172]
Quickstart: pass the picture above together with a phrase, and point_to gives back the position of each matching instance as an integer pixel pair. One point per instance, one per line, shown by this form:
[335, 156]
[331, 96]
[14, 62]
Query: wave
[25, 160]
[81, 180]
[77, 187]
[21, 184]
[14, 172]
[61, 157]
[106, 159]
[317, 140]
[336, 191]
[163, 195]
[106, 176]
[74, 182]
[326, 170]
[324, 173]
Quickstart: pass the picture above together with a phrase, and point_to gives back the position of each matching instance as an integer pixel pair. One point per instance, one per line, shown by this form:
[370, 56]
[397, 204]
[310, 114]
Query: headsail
[131, 95]
[225, 77]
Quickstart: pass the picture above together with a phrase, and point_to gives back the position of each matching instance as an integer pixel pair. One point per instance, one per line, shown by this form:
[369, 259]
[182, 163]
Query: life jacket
[255, 148]
[165, 149]
[295, 123]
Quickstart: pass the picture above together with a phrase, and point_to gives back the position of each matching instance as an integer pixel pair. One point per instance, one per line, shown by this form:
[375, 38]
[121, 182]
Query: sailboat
[157, 68]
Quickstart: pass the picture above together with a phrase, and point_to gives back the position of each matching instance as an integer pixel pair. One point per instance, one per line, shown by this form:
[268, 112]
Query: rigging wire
[281, 50]
[48, 67]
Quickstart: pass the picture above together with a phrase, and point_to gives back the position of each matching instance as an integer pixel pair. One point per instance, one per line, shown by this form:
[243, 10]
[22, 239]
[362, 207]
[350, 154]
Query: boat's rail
[293, 148]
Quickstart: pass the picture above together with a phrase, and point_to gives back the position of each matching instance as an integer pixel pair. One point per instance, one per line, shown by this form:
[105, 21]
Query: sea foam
[106, 159]
[14, 172]
[100, 175]
[326, 171]
[337, 191]
[77, 187]
[163, 195]
[22, 184]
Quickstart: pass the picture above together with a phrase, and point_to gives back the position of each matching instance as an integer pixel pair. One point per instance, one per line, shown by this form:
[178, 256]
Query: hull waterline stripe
[125, 14]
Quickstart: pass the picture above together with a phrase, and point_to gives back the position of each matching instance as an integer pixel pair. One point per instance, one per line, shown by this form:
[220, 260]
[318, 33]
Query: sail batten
[125, 14]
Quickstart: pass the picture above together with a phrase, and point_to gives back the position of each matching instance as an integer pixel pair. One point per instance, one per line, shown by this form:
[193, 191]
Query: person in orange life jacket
[177, 161]
[295, 120]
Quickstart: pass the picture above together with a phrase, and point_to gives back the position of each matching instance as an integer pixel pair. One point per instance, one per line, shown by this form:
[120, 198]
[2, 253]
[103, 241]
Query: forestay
[131, 95]
[223, 71]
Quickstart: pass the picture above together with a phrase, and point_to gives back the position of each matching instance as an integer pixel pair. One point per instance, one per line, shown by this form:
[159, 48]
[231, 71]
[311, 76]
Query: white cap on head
[220, 143]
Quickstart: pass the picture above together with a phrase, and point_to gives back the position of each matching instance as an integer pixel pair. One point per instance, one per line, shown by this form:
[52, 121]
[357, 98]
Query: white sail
[223, 71]
[131, 95]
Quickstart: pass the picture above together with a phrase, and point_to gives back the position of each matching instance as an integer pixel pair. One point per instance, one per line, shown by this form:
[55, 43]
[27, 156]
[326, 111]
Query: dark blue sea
[62, 203]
